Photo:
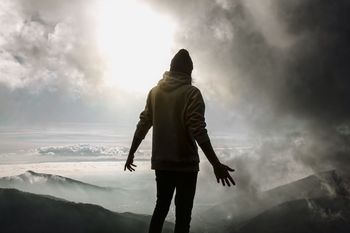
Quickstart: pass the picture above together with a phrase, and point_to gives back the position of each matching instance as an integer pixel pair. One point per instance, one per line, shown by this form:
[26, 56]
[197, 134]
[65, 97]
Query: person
[175, 108]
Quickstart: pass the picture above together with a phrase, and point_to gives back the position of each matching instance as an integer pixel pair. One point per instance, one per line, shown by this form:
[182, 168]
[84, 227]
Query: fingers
[227, 180]
[231, 179]
[129, 167]
[230, 169]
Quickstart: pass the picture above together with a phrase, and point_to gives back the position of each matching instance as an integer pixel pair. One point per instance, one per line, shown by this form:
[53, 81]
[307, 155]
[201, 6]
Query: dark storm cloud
[317, 70]
[316, 79]
[317, 85]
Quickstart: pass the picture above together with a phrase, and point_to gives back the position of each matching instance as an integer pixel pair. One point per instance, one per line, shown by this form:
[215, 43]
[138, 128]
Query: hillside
[115, 199]
[330, 183]
[26, 212]
[321, 215]
[244, 207]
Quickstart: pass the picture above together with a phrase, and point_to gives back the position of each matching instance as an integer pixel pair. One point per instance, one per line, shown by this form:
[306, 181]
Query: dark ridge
[25, 212]
[328, 183]
[321, 215]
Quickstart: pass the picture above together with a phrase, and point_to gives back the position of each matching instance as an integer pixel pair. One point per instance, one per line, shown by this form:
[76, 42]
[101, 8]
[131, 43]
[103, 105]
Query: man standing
[175, 109]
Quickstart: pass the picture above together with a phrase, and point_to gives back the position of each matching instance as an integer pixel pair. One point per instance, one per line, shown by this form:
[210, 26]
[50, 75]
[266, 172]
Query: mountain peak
[33, 173]
[331, 183]
[30, 177]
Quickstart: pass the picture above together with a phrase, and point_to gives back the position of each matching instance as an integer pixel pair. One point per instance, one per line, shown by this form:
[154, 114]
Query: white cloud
[83, 150]
[47, 48]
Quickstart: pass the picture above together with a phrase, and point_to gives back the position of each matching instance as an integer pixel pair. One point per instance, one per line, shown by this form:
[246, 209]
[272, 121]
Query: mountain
[26, 213]
[330, 183]
[321, 215]
[115, 199]
[243, 207]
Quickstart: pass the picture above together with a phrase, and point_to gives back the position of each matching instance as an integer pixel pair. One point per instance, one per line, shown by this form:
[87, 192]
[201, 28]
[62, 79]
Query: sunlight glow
[136, 43]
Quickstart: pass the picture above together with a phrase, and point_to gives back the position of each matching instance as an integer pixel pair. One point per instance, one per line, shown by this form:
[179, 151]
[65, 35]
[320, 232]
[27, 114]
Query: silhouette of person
[175, 109]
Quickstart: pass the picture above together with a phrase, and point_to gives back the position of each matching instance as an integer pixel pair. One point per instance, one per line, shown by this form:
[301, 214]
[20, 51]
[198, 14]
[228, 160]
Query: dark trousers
[185, 185]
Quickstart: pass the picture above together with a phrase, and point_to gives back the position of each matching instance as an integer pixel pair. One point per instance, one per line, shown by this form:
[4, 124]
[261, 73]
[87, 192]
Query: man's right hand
[129, 164]
[222, 174]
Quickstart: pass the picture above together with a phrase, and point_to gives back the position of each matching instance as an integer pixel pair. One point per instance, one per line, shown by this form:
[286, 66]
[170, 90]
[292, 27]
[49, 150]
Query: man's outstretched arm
[196, 123]
[129, 164]
[144, 124]
[221, 170]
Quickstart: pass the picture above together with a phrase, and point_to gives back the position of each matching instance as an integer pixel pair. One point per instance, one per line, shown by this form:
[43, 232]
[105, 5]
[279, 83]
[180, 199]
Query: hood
[172, 80]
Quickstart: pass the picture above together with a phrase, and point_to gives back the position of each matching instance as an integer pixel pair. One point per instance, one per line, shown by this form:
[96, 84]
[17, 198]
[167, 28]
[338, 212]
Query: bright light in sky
[136, 42]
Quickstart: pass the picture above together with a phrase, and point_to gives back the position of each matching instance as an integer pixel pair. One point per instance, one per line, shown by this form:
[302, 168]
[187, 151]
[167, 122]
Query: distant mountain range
[23, 212]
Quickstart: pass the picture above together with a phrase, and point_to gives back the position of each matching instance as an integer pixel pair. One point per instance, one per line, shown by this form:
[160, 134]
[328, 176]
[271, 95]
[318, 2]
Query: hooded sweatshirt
[175, 109]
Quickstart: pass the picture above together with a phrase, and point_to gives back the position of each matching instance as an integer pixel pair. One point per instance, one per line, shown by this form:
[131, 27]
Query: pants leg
[185, 191]
[165, 190]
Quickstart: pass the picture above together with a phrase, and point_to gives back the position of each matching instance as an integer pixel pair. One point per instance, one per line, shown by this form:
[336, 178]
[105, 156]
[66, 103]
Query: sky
[276, 70]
